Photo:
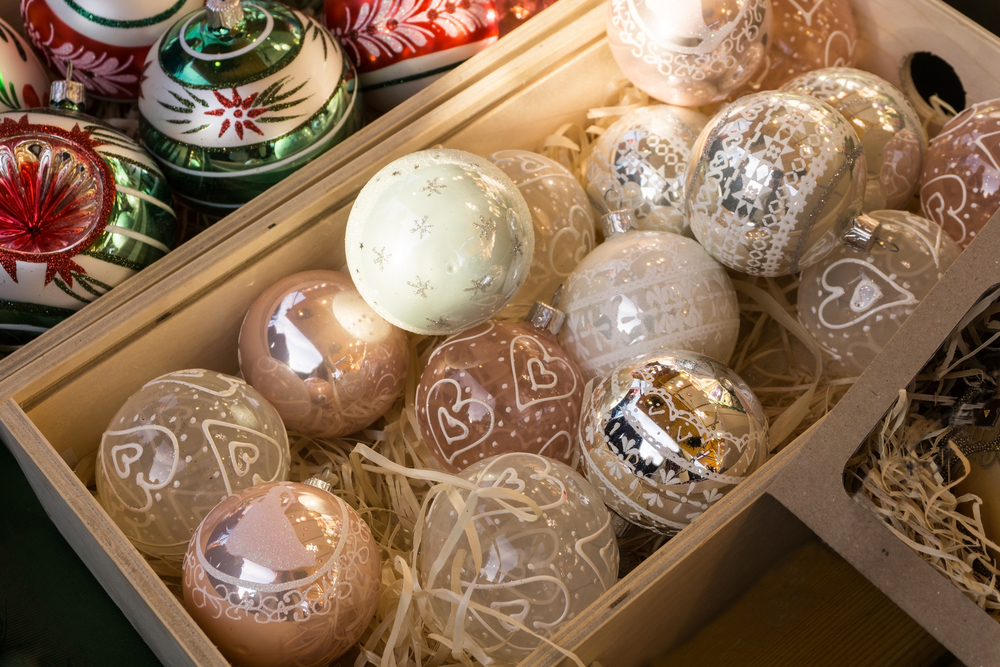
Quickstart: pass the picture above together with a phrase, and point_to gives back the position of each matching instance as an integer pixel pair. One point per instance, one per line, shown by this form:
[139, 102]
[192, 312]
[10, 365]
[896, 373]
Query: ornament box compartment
[533, 33]
[61, 402]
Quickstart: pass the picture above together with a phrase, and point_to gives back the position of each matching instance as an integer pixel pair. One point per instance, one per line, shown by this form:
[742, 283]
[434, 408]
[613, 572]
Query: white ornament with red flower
[23, 81]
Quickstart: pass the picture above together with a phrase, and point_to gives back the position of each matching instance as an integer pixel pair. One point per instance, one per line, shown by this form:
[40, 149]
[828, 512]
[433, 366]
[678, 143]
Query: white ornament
[563, 223]
[640, 163]
[438, 241]
[689, 52]
[23, 81]
[177, 447]
[854, 303]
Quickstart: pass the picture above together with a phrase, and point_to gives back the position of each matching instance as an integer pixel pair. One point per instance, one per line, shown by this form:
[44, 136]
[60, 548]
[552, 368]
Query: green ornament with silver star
[237, 96]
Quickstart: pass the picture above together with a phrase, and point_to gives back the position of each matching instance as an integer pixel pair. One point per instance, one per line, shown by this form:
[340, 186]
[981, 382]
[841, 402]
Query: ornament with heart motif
[82, 208]
[540, 565]
[640, 291]
[324, 359]
[853, 303]
[562, 218]
[439, 241]
[776, 182]
[177, 447]
[887, 125]
[665, 437]
[105, 41]
[23, 81]
[236, 97]
[500, 387]
[282, 574]
[960, 182]
[689, 52]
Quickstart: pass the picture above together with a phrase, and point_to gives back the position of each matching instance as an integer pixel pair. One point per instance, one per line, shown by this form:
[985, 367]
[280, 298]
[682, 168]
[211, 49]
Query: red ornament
[56, 196]
[401, 46]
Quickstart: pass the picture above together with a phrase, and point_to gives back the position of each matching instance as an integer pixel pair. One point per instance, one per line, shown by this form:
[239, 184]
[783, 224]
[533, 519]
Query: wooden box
[749, 583]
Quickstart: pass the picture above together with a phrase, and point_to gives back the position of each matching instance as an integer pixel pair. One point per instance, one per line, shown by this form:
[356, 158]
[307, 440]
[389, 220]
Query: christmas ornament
[327, 363]
[439, 241]
[641, 291]
[282, 575]
[889, 129]
[563, 223]
[501, 387]
[959, 184]
[180, 445]
[82, 208]
[23, 81]
[237, 97]
[689, 52]
[106, 41]
[515, 12]
[775, 180]
[665, 437]
[401, 47]
[853, 303]
[541, 568]
[640, 163]
[807, 35]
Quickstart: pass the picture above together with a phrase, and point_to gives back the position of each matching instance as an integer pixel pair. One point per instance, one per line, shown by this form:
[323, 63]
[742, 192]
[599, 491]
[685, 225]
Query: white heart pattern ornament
[499, 387]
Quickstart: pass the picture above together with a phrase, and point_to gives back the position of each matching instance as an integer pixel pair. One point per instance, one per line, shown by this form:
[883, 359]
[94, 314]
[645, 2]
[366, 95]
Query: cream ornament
[776, 181]
[689, 52]
[666, 437]
[562, 218]
[439, 241]
[177, 447]
[23, 81]
[640, 163]
[853, 303]
[642, 291]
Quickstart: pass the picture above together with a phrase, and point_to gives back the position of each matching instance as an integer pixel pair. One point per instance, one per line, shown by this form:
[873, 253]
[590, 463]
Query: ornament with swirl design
[666, 437]
[282, 575]
[689, 52]
[776, 180]
[541, 568]
[180, 445]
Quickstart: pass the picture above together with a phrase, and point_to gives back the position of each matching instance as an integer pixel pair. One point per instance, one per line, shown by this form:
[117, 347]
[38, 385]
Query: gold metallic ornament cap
[224, 13]
[319, 484]
[863, 234]
[617, 222]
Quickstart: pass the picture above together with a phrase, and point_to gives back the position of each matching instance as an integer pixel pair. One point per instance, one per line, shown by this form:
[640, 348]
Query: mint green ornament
[235, 97]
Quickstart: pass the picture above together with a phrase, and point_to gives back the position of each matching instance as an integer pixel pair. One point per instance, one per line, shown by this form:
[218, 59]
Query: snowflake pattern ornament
[402, 46]
[106, 41]
[23, 81]
[231, 110]
[666, 437]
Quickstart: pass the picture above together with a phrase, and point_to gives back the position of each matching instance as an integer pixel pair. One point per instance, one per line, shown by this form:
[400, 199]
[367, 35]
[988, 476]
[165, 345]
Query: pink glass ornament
[324, 359]
[500, 387]
[282, 574]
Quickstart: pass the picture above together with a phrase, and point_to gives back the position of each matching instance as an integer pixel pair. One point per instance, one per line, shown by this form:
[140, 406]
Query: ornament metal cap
[617, 222]
[224, 13]
[862, 235]
[547, 316]
[67, 90]
[319, 484]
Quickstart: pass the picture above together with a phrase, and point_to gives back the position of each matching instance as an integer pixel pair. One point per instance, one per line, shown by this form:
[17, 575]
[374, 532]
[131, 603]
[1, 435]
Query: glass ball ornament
[439, 241]
[400, 48]
[104, 41]
[321, 356]
[887, 125]
[25, 82]
[83, 209]
[180, 445]
[853, 304]
[513, 13]
[236, 97]
[776, 180]
[282, 575]
[689, 52]
[542, 571]
[641, 291]
[640, 163]
[665, 437]
[960, 178]
[500, 387]
[562, 219]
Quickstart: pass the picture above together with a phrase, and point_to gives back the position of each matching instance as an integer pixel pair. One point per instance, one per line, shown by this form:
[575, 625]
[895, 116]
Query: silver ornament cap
[617, 222]
[67, 90]
[544, 316]
[319, 484]
[224, 13]
[862, 235]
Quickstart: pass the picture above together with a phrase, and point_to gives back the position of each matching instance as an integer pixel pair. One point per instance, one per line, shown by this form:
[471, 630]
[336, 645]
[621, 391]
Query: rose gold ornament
[960, 183]
[327, 362]
[282, 574]
[500, 387]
